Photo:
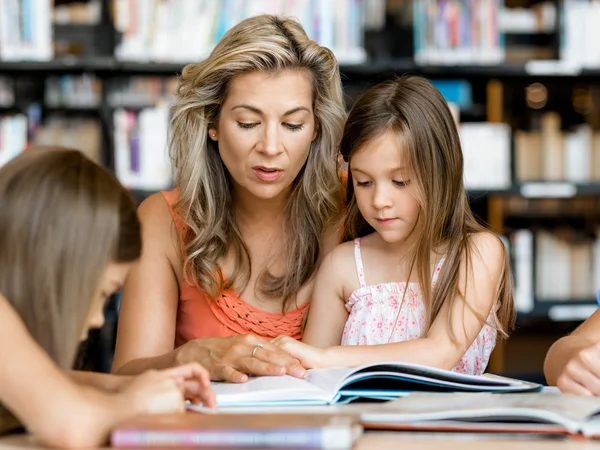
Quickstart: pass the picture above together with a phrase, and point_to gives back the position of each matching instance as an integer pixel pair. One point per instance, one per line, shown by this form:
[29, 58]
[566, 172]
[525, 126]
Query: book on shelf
[318, 431]
[383, 381]
[540, 413]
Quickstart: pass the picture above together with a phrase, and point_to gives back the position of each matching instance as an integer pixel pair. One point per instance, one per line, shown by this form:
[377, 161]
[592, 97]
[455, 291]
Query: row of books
[81, 91]
[554, 266]
[187, 30]
[141, 159]
[552, 154]
[26, 30]
[17, 133]
[140, 147]
[579, 33]
[457, 32]
[141, 91]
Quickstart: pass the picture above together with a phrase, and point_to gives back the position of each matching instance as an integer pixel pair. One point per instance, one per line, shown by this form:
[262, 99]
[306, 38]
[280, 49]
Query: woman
[230, 255]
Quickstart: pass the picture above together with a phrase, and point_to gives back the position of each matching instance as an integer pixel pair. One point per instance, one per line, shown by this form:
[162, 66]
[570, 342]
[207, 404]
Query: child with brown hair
[69, 233]
[418, 279]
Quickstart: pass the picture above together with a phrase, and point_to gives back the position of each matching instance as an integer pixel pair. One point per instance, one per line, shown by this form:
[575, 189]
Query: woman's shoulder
[157, 208]
[159, 221]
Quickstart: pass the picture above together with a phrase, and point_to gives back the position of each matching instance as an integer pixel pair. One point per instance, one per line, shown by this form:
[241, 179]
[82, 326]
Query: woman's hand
[165, 391]
[233, 358]
[309, 356]
[581, 375]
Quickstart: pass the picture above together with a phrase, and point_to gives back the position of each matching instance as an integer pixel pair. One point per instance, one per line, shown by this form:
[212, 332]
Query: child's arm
[64, 414]
[327, 314]
[103, 381]
[573, 362]
[436, 349]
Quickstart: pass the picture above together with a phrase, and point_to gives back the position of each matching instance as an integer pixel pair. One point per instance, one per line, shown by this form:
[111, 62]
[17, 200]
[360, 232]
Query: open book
[544, 413]
[342, 385]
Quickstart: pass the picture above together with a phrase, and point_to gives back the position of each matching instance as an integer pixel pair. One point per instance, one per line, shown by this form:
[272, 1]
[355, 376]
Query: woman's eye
[401, 183]
[247, 125]
[294, 126]
[363, 183]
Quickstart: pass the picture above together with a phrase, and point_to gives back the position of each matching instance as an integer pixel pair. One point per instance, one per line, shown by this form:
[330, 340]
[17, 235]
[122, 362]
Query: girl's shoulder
[487, 250]
[486, 243]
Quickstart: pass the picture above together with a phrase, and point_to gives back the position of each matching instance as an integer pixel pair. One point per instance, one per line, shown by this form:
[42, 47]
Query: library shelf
[375, 67]
[567, 310]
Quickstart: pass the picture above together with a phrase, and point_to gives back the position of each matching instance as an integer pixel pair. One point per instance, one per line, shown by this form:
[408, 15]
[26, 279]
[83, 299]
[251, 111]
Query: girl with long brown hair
[418, 279]
[69, 233]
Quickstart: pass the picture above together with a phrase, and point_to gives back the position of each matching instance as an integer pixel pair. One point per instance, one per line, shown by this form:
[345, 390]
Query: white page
[269, 389]
[567, 410]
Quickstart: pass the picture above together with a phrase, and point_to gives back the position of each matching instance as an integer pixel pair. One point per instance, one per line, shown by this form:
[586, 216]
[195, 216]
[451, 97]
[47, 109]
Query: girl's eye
[401, 183]
[294, 126]
[363, 183]
[247, 125]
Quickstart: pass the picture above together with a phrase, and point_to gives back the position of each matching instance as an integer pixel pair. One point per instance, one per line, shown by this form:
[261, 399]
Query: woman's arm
[573, 362]
[64, 414]
[436, 349]
[148, 315]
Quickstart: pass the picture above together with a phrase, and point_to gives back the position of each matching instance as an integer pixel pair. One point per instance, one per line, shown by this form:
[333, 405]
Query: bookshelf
[538, 48]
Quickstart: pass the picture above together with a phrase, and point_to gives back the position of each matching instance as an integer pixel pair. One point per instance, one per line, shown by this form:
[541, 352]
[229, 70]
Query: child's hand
[165, 391]
[310, 357]
[195, 381]
[581, 375]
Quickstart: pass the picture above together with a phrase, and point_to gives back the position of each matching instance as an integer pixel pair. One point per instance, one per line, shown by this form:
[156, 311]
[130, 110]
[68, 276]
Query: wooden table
[415, 441]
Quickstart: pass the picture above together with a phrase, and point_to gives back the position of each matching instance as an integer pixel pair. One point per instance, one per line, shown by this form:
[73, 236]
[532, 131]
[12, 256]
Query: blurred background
[522, 77]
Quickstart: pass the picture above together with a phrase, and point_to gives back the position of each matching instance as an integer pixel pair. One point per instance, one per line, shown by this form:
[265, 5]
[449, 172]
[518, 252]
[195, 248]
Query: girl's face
[265, 130]
[385, 193]
[111, 282]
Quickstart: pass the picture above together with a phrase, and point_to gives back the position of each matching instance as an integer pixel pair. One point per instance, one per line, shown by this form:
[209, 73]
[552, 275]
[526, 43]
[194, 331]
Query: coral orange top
[199, 315]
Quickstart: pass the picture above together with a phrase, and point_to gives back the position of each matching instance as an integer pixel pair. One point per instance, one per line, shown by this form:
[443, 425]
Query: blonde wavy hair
[268, 44]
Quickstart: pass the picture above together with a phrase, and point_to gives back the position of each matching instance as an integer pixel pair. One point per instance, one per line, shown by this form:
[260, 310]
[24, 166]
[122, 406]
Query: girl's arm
[327, 314]
[148, 315]
[436, 349]
[61, 413]
[103, 381]
[573, 362]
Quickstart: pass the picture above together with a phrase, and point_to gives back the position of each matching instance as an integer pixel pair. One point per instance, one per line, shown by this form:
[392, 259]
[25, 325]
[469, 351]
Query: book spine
[282, 438]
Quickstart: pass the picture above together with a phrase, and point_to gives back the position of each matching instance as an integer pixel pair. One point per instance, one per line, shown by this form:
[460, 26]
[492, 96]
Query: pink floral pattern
[373, 310]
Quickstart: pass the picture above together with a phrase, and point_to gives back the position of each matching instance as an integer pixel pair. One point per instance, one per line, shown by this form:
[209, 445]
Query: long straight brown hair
[63, 218]
[414, 109]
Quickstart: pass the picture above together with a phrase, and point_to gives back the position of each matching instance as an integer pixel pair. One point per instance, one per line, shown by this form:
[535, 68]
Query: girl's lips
[386, 221]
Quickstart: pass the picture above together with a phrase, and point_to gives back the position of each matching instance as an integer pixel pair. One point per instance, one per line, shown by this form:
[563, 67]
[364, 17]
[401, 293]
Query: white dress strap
[359, 265]
[436, 272]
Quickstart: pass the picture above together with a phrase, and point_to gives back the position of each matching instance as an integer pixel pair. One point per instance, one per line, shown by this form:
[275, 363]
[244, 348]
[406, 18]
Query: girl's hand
[581, 375]
[164, 391]
[195, 382]
[309, 356]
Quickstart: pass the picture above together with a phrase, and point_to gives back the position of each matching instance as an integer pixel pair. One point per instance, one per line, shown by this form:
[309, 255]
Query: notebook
[343, 385]
[542, 413]
[314, 431]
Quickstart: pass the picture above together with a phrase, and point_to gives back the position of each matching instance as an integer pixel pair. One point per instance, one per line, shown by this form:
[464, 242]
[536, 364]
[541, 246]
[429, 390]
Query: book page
[420, 374]
[266, 390]
[567, 410]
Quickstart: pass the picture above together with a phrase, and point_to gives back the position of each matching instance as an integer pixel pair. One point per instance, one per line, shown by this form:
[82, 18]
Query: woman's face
[112, 280]
[265, 130]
